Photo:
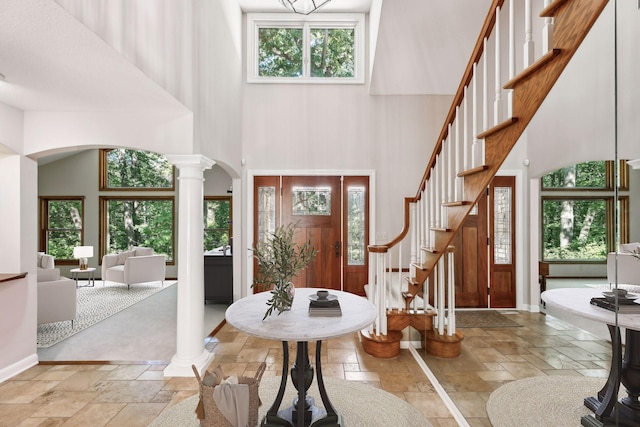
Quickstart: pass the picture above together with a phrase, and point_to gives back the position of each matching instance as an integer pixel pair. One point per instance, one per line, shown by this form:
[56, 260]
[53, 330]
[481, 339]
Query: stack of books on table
[325, 308]
[624, 306]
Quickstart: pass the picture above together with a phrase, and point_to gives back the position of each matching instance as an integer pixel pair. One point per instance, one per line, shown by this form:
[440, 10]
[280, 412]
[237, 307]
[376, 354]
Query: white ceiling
[332, 6]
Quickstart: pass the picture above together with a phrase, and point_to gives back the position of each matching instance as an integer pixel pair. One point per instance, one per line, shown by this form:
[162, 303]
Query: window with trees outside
[61, 226]
[137, 221]
[123, 169]
[217, 222]
[580, 214]
[312, 49]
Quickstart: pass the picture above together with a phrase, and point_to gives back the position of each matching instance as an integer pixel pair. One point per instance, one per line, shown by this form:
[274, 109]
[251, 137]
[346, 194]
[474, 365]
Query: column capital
[190, 160]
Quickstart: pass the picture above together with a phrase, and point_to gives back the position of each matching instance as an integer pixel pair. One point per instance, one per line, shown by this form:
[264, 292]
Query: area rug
[95, 304]
[483, 319]
[359, 404]
[542, 401]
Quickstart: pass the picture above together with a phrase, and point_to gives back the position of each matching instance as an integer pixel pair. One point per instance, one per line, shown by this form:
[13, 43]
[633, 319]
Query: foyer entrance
[485, 250]
[331, 212]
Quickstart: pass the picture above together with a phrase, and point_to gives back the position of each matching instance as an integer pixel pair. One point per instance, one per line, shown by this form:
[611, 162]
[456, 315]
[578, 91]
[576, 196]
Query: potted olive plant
[279, 261]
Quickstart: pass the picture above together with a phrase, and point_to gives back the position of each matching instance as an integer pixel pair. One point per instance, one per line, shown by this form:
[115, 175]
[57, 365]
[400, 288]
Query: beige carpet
[359, 404]
[549, 401]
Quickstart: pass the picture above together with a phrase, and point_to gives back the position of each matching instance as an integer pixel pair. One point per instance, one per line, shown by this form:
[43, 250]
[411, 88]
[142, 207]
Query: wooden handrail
[485, 32]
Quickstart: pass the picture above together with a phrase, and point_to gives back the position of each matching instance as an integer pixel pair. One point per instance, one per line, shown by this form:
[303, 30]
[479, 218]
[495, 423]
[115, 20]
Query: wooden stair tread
[473, 171]
[429, 249]
[497, 128]
[533, 68]
[445, 230]
[459, 203]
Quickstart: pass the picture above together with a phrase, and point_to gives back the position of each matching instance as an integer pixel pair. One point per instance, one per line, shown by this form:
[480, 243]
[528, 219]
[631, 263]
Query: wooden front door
[331, 212]
[314, 204]
[502, 257]
[471, 251]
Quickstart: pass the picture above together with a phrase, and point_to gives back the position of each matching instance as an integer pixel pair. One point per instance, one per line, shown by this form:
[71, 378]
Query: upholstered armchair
[56, 294]
[139, 265]
[627, 264]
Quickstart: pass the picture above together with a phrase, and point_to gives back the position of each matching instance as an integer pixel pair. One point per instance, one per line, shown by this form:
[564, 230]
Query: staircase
[493, 105]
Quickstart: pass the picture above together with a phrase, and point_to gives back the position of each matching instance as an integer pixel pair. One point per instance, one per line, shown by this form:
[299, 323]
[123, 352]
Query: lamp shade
[83, 252]
[303, 7]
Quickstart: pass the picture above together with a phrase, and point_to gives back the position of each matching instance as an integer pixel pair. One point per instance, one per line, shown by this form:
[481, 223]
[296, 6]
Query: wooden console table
[296, 325]
[608, 410]
[6, 277]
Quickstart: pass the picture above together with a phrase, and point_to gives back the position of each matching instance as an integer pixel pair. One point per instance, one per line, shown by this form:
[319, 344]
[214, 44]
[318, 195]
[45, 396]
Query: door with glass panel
[502, 254]
[331, 212]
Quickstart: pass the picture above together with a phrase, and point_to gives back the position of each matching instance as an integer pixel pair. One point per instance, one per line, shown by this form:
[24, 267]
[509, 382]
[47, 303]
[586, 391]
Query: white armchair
[139, 265]
[56, 294]
[628, 265]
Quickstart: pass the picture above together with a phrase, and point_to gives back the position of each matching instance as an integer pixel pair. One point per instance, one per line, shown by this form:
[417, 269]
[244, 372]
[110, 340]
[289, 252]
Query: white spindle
[450, 173]
[485, 86]
[436, 174]
[528, 35]
[476, 149]
[442, 180]
[441, 294]
[461, 150]
[497, 60]
[512, 56]
[451, 286]
[432, 209]
[547, 31]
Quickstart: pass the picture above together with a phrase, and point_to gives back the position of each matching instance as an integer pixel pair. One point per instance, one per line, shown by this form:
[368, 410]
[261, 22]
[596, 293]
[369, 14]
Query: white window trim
[327, 20]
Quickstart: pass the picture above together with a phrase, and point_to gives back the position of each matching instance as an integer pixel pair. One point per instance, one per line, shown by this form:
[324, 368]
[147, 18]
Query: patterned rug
[94, 305]
[483, 319]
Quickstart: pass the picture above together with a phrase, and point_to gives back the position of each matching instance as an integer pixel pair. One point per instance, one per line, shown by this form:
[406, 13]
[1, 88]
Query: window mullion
[306, 51]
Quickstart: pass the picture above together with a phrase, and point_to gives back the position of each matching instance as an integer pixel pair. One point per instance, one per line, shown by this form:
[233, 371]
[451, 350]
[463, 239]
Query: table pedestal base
[303, 410]
[608, 410]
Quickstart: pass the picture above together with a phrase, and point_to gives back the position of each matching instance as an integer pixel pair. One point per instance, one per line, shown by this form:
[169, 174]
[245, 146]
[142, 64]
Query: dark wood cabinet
[218, 278]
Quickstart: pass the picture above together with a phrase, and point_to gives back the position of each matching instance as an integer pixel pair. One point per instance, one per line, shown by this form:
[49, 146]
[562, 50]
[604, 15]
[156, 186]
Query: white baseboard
[18, 367]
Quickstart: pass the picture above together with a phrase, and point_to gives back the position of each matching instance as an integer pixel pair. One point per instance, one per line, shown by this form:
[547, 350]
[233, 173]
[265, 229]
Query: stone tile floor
[133, 394]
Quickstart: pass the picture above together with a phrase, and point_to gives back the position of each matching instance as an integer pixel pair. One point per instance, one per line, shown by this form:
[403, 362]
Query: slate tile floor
[133, 394]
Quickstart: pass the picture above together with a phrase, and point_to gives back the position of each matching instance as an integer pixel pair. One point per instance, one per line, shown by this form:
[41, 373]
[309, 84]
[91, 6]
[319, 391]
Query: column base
[182, 367]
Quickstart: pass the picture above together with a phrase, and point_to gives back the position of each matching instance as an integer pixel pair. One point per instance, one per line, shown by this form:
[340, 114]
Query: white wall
[18, 302]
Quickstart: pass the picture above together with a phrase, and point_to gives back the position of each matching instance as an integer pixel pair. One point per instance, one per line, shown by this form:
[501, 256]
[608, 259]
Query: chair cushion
[122, 256]
[45, 261]
[630, 247]
[142, 251]
[48, 274]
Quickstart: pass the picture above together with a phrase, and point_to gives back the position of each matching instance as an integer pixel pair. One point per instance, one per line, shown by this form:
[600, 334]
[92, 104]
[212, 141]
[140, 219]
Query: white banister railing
[480, 103]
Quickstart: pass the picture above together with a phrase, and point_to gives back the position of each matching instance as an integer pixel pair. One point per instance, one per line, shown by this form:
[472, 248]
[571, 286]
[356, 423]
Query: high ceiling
[52, 62]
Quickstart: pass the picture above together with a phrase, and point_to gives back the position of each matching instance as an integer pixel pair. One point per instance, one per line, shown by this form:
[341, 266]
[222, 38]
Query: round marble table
[605, 405]
[296, 325]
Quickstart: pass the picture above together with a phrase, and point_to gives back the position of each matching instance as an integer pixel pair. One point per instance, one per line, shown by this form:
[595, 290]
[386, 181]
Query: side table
[91, 276]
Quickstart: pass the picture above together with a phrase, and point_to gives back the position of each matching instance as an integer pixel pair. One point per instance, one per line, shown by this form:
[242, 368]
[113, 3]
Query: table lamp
[82, 253]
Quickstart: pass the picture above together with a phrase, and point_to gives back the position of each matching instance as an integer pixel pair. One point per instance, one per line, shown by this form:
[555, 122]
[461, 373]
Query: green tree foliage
[588, 235]
[280, 52]
[217, 217]
[64, 228]
[140, 222]
[331, 52]
[587, 175]
[138, 169]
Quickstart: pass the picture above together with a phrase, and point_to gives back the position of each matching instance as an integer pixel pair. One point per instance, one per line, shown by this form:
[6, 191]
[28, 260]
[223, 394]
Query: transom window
[313, 49]
[134, 170]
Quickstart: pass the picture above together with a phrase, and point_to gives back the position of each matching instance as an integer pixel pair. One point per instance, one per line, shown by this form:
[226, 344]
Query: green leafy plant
[279, 261]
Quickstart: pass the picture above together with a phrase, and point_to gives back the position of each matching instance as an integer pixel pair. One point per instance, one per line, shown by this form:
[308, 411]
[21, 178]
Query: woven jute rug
[549, 401]
[483, 319]
[95, 304]
[359, 404]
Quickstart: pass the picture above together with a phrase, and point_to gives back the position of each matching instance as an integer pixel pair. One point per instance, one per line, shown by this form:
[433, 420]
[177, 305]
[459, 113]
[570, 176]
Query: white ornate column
[190, 319]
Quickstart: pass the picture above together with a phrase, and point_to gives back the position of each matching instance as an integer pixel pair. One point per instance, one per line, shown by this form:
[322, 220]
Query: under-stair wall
[510, 72]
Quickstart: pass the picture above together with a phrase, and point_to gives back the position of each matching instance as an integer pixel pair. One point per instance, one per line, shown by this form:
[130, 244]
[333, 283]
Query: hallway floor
[133, 394]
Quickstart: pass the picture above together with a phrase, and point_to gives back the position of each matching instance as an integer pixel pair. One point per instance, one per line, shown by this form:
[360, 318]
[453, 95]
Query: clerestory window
[312, 49]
